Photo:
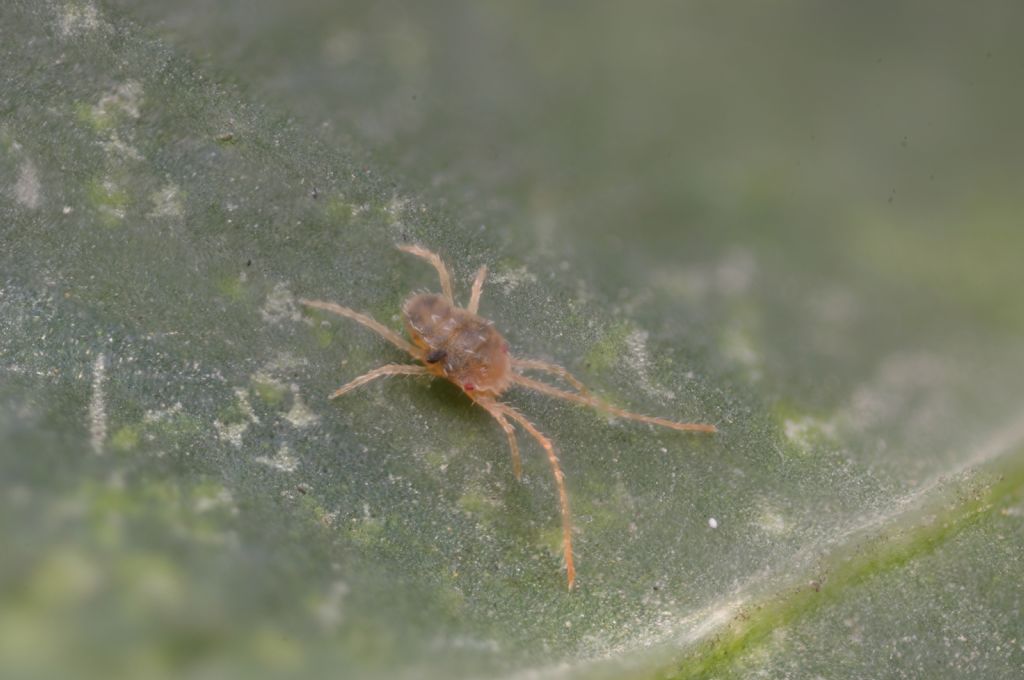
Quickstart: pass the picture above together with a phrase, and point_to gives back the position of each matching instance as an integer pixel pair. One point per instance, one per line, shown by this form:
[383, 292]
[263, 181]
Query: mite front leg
[434, 259]
[478, 289]
[594, 402]
[383, 371]
[377, 327]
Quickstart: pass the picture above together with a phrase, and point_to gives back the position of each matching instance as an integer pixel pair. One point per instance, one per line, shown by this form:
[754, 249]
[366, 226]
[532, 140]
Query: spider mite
[457, 344]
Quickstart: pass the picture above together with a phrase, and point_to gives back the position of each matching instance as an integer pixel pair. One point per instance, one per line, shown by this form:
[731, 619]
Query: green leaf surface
[800, 223]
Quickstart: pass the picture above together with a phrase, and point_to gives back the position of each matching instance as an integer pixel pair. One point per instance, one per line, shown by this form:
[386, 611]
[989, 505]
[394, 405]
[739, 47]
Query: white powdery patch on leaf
[222, 499]
[737, 344]
[113, 211]
[396, 208]
[79, 18]
[513, 278]
[731, 277]
[735, 273]
[471, 642]
[639, 359]
[329, 609]
[167, 202]
[771, 521]
[116, 147]
[299, 414]
[284, 460]
[27, 191]
[908, 387]
[122, 102]
[282, 362]
[163, 414]
[692, 283]
[98, 405]
[342, 46]
[280, 306]
[233, 432]
[805, 431]
[126, 99]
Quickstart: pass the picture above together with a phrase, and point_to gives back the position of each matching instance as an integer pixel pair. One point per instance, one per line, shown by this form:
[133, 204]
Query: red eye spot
[469, 387]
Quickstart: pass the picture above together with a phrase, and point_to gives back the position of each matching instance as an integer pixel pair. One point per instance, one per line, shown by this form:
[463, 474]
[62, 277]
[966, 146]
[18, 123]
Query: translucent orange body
[458, 345]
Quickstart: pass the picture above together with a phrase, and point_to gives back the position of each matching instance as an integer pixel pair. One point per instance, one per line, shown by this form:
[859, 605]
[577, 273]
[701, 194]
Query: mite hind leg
[556, 469]
[434, 259]
[381, 372]
[513, 445]
[602, 405]
[554, 369]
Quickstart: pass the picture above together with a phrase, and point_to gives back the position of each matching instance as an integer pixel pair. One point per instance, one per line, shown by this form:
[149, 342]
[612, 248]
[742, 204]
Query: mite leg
[594, 402]
[563, 496]
[389, 369]
[379, 328]
[555, 369]
[432, 258]
[513, 445]
[478, 288]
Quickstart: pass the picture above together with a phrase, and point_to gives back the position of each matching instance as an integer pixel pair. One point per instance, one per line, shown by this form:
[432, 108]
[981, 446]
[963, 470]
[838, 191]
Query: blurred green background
[799, 221]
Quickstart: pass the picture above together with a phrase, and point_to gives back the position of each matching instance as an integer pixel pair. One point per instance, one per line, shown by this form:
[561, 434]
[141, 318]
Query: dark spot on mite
[436, 355]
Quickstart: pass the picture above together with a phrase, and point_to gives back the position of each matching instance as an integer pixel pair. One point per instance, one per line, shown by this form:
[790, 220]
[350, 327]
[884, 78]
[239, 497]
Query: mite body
[457, 344]
[460, 345]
